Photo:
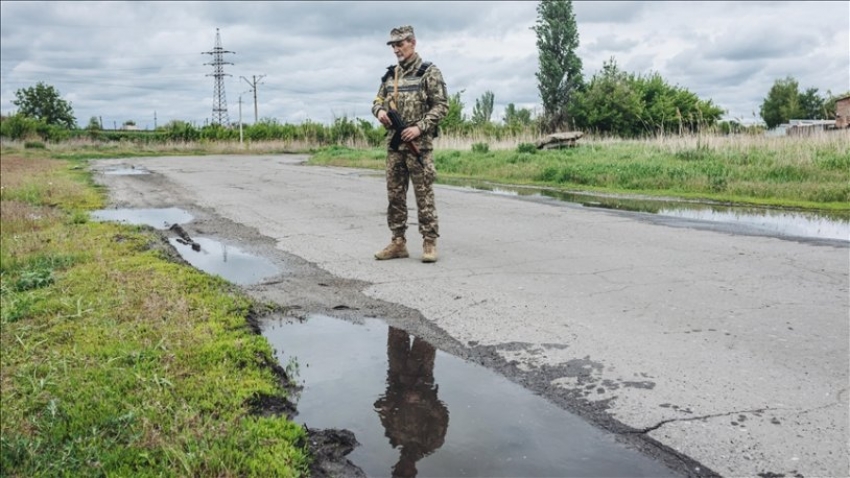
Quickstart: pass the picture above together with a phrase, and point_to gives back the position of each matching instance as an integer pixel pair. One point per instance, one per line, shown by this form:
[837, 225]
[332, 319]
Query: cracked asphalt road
[728, 349]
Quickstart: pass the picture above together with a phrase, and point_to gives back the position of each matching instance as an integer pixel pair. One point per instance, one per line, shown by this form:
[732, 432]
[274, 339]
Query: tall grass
[810, 172]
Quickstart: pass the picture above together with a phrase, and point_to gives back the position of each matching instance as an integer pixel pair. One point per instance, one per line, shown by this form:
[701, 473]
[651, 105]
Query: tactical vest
[419, 71]
[413, 101]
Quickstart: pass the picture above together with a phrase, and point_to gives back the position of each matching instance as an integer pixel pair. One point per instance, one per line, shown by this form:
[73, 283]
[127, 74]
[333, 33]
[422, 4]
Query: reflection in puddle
[414, 418]
[418, 411]
[776, 222]
[131, 171]
[156, 218]
[809, 224]
[228, 262]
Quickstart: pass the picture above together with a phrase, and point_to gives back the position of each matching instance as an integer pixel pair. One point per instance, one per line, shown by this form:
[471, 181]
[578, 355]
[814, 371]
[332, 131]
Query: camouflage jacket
[422, 100]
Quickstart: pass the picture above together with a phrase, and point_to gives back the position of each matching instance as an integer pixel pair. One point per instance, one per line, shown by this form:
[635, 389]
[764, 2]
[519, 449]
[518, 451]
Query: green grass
[115, 360]
[795, 172]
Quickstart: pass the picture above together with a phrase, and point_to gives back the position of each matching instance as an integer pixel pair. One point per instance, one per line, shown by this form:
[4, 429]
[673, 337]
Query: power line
[219, 110]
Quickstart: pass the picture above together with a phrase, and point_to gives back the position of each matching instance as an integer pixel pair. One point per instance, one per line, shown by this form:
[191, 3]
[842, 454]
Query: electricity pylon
[219, 109]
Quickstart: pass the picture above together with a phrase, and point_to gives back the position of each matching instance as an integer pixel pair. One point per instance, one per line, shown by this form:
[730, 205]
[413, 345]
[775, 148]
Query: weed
[34, 279]
[480, 148]
[14, 307]
[526, 148]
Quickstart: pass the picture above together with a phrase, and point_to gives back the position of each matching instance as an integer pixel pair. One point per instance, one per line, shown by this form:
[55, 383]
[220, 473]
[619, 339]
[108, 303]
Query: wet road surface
[729, 349]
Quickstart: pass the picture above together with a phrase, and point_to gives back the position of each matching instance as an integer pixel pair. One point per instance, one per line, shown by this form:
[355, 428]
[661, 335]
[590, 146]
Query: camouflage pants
[402, 169]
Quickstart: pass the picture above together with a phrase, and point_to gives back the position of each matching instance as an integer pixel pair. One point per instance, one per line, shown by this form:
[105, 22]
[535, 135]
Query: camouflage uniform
[422, 101]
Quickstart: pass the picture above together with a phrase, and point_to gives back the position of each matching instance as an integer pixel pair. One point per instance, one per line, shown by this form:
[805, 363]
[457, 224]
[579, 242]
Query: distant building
[809, 126]
[801, 127]
[842, 112]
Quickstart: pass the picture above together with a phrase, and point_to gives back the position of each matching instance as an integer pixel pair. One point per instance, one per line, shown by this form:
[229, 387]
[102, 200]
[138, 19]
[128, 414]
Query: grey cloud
[758, 42]
[609, 12]
[612, 43]
[124, 60]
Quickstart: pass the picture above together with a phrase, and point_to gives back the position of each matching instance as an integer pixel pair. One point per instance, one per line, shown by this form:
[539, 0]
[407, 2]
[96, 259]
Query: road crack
[660, 424]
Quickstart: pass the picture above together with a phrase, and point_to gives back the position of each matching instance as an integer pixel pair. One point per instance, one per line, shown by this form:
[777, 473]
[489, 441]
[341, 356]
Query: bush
[480, 148]
[34, 145]
[18, 127]
[526, 148]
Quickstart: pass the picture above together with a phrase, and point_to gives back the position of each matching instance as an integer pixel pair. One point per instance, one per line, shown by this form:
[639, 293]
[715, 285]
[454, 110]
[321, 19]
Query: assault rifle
[395, 142]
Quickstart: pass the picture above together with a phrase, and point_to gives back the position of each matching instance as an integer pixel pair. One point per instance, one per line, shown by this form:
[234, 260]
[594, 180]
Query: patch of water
[156, 218]
[795, 224]
[131, 171]
[419, 411]
[791, 223]
[228, 262]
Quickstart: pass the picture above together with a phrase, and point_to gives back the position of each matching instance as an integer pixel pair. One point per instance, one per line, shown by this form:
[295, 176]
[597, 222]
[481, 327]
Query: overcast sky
[140, 60]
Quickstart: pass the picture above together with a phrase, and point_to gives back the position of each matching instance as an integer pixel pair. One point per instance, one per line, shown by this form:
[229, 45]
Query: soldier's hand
[384, 118]
[410, 133]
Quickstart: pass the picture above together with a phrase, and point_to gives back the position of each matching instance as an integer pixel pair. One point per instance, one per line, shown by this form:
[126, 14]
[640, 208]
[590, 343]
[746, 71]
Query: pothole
[228, 262]
[416, 410]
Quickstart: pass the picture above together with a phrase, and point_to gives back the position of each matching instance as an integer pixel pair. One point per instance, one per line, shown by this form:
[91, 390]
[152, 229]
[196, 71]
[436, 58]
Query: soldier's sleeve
[438, 100]
[380, 101]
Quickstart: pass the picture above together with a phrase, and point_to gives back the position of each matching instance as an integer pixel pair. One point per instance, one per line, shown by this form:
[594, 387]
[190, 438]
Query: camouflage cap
[400, 33]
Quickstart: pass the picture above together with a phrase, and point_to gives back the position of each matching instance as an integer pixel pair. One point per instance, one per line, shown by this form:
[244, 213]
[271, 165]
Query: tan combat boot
[429, 250]
[395, 250]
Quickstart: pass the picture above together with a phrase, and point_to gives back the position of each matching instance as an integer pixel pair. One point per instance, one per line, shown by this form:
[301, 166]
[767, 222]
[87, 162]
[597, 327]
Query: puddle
[228, 262]
[213, 257]
[156, 218]
[794, 224]
[816, 225]
[417, 410]
[131, 171]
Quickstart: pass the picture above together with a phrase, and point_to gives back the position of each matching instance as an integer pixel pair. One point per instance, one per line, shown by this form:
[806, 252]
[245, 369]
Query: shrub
[480, 148]
[526, 148]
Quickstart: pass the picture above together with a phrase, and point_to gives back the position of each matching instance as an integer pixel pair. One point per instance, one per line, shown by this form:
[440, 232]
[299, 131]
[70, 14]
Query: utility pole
[219, 110]
[240, 120]
[253, 86]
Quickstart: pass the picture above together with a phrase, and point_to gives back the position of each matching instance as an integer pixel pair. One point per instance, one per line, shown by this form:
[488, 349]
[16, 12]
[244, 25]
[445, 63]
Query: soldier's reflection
[414, 418]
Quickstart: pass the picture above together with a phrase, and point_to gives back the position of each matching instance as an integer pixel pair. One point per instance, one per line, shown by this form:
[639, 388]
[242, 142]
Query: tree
[812, 105]
[610, 104]
[782, 103]
[94, 124]
[483, 109]
[516, 117]
[628, 105]
[44, 103]
[559, 73]
[454, 119]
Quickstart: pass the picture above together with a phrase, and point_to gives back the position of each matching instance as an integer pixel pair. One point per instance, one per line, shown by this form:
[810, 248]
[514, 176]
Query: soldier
[416, 91]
